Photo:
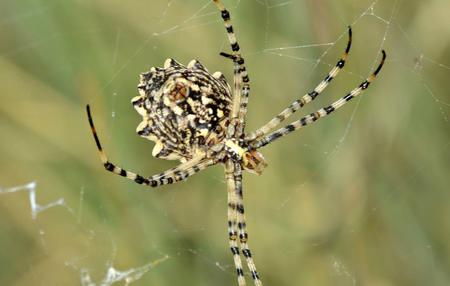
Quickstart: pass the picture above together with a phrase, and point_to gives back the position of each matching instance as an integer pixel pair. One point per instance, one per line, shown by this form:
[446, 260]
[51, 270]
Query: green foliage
[359, 198]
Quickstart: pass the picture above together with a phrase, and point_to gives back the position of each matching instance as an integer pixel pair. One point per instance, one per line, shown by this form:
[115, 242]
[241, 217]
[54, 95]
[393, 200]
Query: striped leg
[179, 173]
[242, 225]
[241, 79]
[310, 96]
[318, 114]
[232, 221]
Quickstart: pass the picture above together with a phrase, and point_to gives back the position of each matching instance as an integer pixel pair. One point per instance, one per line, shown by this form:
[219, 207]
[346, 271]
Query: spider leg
[176, 174]
[232, 222]
[242, 225]
[308, 119]
[233, 173]
[241, 79]
[310, 96]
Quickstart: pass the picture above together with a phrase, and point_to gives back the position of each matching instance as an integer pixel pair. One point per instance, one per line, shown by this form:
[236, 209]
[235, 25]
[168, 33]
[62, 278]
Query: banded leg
[310, 96]
[179, 173]
[241, 79]
[242, 225]
[232, 222]
[308, 119]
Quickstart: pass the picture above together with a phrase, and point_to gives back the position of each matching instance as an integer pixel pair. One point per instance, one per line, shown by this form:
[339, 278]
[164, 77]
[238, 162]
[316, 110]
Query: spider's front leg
[242, 225]
[176, 174]
[233, 222]
[305, 99]
[325, 111]
[237, 226]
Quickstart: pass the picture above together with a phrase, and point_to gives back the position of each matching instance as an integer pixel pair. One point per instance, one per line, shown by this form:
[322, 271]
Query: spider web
[361, 193]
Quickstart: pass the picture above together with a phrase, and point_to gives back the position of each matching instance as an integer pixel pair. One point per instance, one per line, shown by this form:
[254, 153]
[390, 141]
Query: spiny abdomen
[184, 109]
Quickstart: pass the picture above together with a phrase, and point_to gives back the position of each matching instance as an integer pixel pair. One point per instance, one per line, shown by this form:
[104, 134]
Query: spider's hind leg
[241, 79]
[176, 174]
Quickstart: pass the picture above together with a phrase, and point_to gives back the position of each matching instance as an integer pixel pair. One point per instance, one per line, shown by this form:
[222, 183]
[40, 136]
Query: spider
[195, 117]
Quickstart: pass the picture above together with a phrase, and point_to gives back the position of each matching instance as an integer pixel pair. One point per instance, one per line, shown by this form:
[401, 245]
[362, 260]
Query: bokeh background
[359, 198]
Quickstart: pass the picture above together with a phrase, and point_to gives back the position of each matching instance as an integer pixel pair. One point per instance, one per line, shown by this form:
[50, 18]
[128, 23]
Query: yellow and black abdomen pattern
[184, 109]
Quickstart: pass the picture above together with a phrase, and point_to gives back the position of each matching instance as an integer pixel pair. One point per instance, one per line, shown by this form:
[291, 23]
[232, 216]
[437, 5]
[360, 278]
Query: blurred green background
[360, 198]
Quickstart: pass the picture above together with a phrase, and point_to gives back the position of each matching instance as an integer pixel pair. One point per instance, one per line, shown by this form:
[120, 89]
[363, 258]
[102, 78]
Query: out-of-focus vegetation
[360, 198]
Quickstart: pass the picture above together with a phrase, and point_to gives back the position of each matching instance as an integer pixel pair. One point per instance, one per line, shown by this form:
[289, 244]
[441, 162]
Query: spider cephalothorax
[193, 116]
[184, 108]
[185, 111]
[250, 159]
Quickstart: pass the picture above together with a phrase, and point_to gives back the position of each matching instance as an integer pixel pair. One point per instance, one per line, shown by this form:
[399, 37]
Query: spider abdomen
[184, 109]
